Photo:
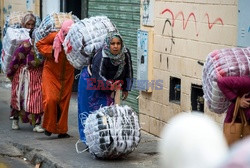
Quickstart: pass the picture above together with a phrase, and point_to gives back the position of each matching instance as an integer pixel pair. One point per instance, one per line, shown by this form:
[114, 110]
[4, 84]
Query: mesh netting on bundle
[52, 23]
[220, 63]
[112, 132]
[85, 38]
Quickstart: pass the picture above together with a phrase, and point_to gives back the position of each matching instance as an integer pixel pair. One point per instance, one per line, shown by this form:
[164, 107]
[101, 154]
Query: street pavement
[36, 148]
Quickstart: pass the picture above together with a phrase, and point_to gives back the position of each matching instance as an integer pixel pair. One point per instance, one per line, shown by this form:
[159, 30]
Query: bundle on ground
[112, 132]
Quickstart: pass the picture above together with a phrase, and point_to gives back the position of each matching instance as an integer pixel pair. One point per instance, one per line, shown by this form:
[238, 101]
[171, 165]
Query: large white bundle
[112, 132]
[85, 38]
[12, 39]
[224, 62]
[14, 20]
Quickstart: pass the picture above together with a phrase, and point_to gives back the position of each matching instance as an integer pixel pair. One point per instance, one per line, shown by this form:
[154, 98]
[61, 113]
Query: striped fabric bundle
[12, 39]
[85, 38]
[219, 63]
[112, 132]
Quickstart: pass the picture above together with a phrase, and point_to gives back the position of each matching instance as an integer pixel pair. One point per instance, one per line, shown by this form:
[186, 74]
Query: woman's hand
[124, 95]
[116, 85]
[244, 102]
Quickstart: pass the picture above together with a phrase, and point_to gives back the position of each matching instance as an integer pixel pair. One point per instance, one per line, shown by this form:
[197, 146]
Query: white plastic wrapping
[12, 39]
[85, 38]
[112, 132]
[14, 20]
[223, 62]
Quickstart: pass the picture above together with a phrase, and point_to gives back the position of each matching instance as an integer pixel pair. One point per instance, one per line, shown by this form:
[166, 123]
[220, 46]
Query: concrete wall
[185, 31]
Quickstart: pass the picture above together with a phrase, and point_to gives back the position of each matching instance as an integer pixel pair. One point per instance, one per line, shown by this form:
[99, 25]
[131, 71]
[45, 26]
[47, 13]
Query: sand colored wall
[185, 31]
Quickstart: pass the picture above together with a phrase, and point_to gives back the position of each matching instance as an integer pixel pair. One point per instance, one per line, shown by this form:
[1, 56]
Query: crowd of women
[41, 88]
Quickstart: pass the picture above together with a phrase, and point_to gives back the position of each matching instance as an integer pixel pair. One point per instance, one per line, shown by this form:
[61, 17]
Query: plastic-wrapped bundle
[224, 62]
[112, 132]
[51, 23]
[14, 20]
[11, 41]
[85, 38]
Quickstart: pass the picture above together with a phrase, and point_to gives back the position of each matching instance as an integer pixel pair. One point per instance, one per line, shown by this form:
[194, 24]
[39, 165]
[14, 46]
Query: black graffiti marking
[172, 34]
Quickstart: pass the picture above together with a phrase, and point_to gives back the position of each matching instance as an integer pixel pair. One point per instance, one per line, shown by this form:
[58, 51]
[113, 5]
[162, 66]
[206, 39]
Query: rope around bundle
[112, 132]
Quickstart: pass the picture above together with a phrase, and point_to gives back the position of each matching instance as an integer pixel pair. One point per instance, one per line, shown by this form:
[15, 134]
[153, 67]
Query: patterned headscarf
[116, 60]
[57, 44]
[28, 17]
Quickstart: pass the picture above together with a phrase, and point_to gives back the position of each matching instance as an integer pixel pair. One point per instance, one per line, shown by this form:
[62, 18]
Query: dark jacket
[103, 70]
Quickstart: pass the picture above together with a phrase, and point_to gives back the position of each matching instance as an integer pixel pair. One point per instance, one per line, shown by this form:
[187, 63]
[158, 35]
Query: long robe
[25, 71]
[232, 87]
[57, 81]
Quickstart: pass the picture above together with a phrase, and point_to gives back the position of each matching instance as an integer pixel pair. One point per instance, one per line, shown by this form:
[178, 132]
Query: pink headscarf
[57, 44]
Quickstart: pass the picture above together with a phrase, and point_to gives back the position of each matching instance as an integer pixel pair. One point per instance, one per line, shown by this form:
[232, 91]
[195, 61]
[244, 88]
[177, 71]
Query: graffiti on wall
[193, 17]
[167, 31]
[148, 13]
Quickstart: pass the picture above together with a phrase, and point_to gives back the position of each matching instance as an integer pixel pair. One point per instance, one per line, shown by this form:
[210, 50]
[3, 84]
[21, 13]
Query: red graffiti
[191, 15]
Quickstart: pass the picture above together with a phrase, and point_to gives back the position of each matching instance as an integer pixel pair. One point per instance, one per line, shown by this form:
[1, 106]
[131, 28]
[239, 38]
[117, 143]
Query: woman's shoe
[15, 125]
[63, 135]
[38, 129]
[47, 133]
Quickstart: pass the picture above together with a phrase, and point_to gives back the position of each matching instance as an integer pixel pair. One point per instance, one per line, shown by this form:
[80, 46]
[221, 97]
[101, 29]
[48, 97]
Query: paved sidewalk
[53, 152]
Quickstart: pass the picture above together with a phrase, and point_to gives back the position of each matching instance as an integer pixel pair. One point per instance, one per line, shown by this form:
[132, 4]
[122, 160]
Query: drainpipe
[41, 9]
[62, 6]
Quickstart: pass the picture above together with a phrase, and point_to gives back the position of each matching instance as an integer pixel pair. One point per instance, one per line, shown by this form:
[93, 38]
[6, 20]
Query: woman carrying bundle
[57, 81]
[25, 73]
[110, 68]
[236, 89]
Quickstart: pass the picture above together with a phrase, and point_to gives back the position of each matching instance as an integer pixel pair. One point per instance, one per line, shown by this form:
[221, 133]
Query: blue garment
[89, 100]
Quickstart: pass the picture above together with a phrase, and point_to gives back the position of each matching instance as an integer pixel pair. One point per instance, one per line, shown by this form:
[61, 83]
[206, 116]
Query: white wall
[50, 6]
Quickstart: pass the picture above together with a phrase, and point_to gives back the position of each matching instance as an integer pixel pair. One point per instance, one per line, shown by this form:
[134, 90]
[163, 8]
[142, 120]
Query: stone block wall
[185, 31]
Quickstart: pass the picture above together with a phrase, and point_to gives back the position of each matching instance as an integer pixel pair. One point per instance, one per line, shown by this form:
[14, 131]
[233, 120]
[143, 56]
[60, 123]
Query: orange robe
[57, 81]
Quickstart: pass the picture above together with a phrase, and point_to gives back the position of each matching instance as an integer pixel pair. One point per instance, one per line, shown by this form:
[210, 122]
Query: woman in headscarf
[25, 72]
[57, 81]
[110, 68]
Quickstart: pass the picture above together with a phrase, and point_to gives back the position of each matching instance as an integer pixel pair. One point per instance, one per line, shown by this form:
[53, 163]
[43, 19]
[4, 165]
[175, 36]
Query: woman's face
[30, 24]
[115, 46]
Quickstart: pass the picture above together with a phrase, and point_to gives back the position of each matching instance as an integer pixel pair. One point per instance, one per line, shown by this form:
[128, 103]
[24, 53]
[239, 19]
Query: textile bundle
[12, 39]
[52, 23]
[219, 63]
[14, 20]
[85, 38]
[13, 36]
[112, 132]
